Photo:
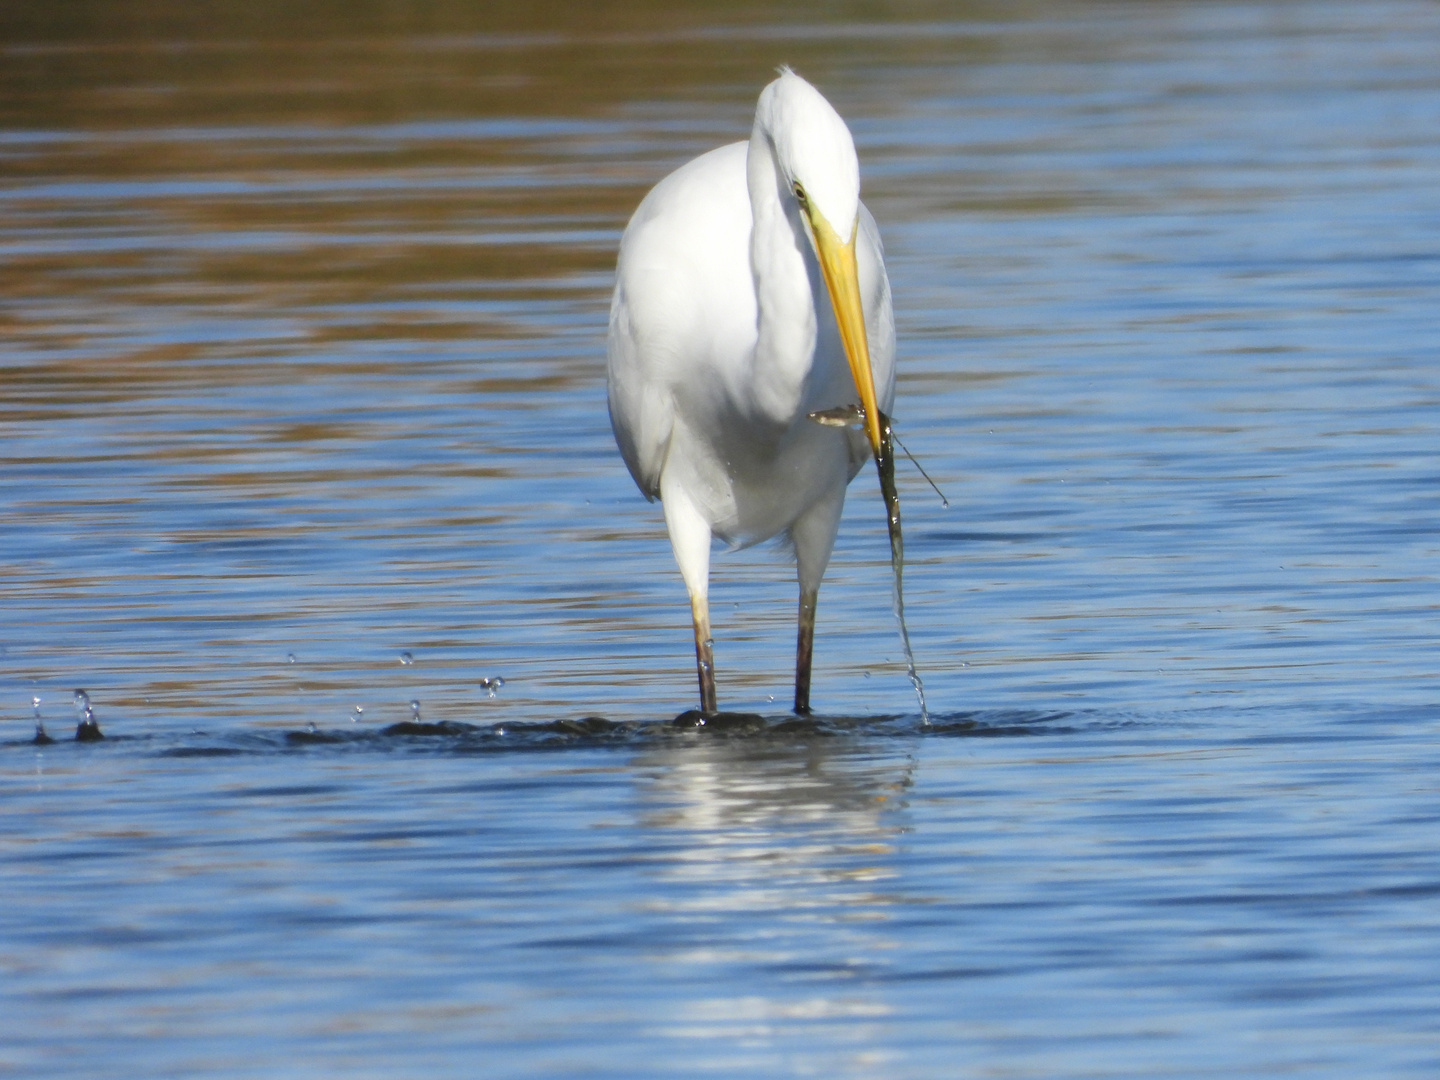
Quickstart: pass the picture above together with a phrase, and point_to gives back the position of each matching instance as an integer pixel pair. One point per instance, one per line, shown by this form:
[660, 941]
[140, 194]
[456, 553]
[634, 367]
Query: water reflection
[809, 828]
[782, 858]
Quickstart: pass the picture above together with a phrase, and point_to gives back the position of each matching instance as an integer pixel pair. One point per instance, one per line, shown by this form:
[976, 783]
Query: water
[301, 370]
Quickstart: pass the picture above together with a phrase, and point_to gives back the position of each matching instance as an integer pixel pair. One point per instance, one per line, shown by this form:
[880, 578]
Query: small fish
[847, 416]
[885, 466]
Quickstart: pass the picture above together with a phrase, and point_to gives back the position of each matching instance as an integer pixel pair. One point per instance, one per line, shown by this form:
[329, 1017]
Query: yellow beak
[842, 279]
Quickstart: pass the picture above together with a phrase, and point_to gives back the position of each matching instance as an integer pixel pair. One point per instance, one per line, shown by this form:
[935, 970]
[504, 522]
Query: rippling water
[301, 369]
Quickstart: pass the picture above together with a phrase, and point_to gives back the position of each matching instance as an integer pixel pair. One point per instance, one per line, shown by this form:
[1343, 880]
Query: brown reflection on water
[91, 62]
[278, 161]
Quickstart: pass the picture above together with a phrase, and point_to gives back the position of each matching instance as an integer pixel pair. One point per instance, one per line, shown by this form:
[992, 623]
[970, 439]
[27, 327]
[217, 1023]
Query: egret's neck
[787, 281]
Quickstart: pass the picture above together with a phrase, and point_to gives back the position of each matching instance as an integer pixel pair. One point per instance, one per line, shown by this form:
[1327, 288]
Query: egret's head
[815, 156]
[813, 150]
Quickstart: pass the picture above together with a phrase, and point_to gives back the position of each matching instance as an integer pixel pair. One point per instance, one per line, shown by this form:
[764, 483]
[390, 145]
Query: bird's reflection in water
[780, 875]
[809, 829]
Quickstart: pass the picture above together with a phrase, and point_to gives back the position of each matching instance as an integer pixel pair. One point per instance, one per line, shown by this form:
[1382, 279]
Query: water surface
[303, 322]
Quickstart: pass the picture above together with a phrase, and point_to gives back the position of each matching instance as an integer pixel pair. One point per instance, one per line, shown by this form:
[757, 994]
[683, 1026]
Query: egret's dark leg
[813, 535]
[804, 650]
[704, 653]
[690, 537]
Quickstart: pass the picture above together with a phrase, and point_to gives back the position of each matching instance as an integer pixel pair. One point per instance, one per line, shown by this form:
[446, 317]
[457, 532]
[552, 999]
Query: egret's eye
[799, 190]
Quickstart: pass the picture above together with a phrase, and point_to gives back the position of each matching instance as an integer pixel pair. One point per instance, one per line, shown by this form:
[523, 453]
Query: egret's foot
[719, 721]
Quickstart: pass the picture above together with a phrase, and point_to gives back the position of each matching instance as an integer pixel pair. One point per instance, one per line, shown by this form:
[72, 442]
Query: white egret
[750, 293]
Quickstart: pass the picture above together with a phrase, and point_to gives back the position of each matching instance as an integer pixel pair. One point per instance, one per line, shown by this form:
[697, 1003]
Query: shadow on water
[688, 728]
[692, 727]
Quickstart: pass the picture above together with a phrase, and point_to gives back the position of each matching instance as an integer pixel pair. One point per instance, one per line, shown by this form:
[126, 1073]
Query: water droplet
[709, 643]
[82, 702]
[357, 714]
[491, 684]
[290, 658]
[415, 710]
[500, 730]
[310, 727]
[35, 704]
[407, 658]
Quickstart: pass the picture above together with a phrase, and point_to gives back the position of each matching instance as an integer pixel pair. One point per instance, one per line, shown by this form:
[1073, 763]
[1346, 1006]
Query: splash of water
[89, 729]
[41, 737]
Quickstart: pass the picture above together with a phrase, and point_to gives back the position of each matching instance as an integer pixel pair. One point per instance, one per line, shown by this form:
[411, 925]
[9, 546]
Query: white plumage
[750, 292]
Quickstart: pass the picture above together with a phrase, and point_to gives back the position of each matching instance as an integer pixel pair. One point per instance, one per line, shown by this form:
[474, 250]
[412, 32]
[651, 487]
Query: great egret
[750, 294]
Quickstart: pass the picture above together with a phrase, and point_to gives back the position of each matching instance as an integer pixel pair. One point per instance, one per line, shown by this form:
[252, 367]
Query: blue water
[301, 369]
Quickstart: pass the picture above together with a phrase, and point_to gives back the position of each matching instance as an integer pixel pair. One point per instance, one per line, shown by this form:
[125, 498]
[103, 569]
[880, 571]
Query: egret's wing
[641, 412]
[684, 305]
[879, 314]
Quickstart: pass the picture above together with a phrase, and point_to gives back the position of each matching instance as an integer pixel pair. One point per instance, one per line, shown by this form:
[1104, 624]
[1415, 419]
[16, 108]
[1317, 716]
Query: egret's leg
[814, 537]
[804, 649]
[704, 652]
[690, 539]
